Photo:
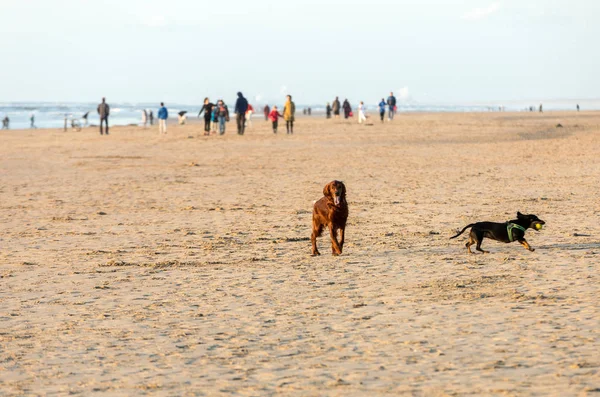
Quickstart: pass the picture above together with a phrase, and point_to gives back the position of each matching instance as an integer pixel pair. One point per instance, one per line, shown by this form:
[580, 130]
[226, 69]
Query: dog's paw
[531, 249]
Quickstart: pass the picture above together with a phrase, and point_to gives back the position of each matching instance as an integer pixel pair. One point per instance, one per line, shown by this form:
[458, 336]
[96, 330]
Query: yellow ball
[538, 226]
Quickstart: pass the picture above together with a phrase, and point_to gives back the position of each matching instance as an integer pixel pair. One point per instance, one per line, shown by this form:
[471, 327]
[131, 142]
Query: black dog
[506, 232]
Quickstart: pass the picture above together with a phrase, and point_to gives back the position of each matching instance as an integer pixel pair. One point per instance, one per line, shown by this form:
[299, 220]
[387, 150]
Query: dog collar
[509, 229]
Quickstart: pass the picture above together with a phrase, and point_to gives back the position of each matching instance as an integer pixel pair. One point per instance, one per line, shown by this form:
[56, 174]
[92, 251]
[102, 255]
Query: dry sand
[135, 264]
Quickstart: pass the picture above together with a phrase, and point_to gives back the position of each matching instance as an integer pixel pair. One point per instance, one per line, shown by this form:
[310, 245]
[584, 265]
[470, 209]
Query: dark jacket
[391, 101]
[207, 109]
[103, 110]
[241, 105]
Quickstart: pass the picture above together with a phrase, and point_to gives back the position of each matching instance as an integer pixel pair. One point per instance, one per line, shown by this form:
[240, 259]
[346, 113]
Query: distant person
[274, 116]
[336, 108]
[207, 109]
[151, 117]
[541, 109]
[214, 120]
[304, 111]
[32, 119]
[85, 118]
[382, 109]
[163, 115]
[241, 105]
[66, 117]
[309, 111]
[103, 112]
[5, 123]
[289, 110]
[223, 116]
[362, 115]
[144, 118]
[249, 113]
[391, 101]
[328, 111]
[347, 108]
[266, 111]
[578, 107]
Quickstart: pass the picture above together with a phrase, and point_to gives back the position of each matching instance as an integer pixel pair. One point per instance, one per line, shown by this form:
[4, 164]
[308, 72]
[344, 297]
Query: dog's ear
[327, 190]
[519, 215]
[343, 190]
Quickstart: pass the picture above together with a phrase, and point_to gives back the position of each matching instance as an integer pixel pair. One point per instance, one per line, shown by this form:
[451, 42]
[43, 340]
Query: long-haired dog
[330, 211]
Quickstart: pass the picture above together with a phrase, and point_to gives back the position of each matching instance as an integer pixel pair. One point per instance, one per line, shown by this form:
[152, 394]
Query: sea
[52, 115]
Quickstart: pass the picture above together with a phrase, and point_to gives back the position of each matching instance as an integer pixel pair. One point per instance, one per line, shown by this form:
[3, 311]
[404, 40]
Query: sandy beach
[179, 265]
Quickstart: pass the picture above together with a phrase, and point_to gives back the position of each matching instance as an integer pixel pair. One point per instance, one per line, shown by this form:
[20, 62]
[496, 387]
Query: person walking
[214, 121]
[289, 111]
[391, 101]
[144, 118]
[274, 116]
[249, 113]
[32, 119]
[6, 123]
[328, 111]
[362, 116]
[104, 112]
[382, 109]
[163, 114]
[578, 107]
[151, 117]
[207, 109]
[241, 105]
[541, 108]
[223, 116]
[347, 108]
[267, 111]
[336, 108]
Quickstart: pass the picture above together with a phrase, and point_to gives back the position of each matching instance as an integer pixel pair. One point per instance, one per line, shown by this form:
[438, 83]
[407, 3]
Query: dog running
[506, 232]
[330, 211]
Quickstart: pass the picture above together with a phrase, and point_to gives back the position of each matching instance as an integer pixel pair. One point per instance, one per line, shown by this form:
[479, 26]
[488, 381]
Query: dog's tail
[462, 231]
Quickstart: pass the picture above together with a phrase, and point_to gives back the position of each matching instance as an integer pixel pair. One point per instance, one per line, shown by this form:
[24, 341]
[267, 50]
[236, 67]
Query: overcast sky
[183, 50]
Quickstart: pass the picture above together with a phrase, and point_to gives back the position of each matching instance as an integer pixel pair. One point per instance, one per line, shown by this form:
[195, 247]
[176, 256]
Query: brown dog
[330, 211]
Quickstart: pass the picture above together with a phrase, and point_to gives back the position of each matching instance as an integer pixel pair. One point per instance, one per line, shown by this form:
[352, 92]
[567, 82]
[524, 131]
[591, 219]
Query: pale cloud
[154, 21]
[481, 13]
[403, 94]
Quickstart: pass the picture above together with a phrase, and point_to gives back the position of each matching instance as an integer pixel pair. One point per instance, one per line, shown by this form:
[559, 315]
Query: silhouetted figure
[163, 115]
[391, 101]
[85, 119]
[336, 107]
[266, 111]
[207, 108]
[541, 109]
[241, 106]
[151, 117]
[289, 111]
[32, 119]
[5, 123]
[103, 111]
[382, 109]
[347, 108]
[328, 111]
[578, 107]
[304, 111]
[309, 111]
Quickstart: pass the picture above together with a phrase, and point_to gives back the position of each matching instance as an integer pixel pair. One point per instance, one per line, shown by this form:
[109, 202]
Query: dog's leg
[335, 247]
[469, 244]
[313, 239]
[479, 240]
[525, 244]
[342, 230]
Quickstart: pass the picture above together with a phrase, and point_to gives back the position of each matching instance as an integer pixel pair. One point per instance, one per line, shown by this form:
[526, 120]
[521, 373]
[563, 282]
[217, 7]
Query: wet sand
[134, 264]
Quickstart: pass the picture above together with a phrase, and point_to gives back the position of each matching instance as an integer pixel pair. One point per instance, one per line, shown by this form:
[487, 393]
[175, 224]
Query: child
[274, 117]
[361, 113]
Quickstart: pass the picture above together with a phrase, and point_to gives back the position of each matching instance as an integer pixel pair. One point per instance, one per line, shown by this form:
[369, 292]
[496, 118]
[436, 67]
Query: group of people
[289, 113]
[335, 108]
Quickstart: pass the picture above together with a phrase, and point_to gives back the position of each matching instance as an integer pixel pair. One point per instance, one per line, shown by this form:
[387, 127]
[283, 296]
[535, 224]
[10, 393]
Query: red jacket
[274, 115]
